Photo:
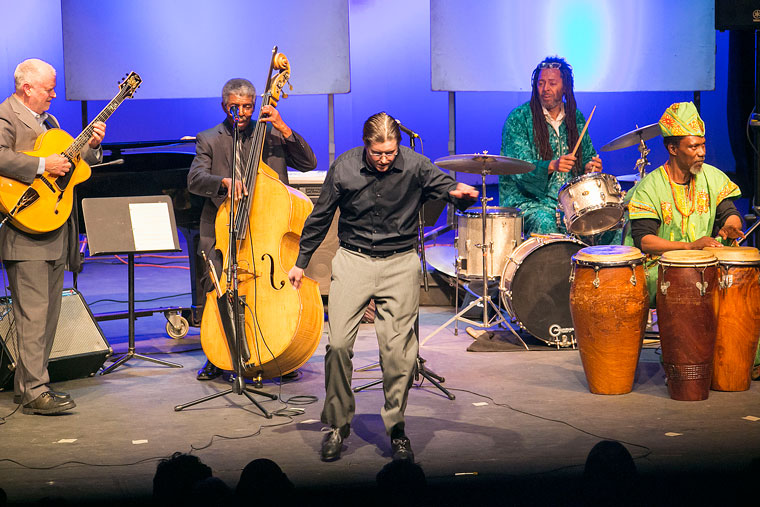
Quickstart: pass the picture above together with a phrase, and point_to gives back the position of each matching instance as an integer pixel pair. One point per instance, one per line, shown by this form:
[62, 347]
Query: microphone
[407, 131]
[234, 111]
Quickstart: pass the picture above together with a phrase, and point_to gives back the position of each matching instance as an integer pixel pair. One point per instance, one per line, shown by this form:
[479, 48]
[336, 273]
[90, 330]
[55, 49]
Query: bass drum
[535, 287]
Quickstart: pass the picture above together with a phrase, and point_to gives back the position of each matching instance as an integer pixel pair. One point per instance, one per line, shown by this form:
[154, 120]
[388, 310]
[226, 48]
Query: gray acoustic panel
[189, 49]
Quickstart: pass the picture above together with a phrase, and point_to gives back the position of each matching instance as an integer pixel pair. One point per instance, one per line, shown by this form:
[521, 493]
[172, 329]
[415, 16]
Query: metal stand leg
[420, 371]
[131, 347]
[238, 387]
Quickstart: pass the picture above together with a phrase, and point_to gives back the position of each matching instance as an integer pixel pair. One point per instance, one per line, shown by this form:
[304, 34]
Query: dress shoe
[333, 442]
[57, 394]
[209, 371]
[46, 404]
[401, 449]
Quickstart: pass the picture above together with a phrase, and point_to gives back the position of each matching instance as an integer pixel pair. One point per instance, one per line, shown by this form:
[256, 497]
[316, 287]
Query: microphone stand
[234, 301]
[421, 369]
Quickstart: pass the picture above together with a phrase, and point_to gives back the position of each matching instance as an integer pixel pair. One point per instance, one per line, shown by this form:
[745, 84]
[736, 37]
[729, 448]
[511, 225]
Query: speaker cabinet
[737, 14]
[79, 346]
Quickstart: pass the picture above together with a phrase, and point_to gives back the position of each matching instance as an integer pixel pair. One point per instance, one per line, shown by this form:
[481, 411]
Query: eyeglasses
[380, 154]
[554, 65]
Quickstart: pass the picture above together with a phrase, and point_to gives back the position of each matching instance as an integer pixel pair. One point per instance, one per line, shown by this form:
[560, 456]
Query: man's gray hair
[238, 86]
[30, 71]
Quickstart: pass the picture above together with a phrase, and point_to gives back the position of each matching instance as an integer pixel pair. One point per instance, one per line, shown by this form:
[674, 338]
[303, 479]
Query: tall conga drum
[609, 304]
[687, 315]
[738, 317]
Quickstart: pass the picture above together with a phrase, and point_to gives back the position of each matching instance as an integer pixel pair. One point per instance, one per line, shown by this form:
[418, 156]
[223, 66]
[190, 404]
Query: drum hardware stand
[756, 209]
[485, 299]
[237, 303]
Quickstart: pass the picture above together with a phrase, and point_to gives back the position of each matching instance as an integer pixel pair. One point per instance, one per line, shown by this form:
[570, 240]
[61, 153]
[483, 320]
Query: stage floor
[518, 432]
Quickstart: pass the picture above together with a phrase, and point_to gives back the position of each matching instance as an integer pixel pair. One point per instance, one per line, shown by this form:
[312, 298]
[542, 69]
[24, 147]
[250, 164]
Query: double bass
[282, 325]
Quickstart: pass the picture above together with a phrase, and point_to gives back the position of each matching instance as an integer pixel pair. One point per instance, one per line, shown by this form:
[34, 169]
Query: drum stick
[583, 132]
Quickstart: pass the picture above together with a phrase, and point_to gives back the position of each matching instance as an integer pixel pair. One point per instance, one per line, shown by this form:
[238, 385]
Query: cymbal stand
[236, 303]
[485, 299]
[642, 162]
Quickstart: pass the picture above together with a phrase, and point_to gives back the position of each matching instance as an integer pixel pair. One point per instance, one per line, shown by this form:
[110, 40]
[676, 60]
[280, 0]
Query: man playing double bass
[379, 188]
[210, 174]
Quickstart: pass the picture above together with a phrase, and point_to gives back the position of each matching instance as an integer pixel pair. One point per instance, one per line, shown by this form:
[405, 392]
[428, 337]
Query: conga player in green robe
[684, 204]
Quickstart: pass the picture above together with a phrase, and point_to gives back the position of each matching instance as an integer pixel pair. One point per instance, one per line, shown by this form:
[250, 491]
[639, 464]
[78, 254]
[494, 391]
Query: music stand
[125, 226]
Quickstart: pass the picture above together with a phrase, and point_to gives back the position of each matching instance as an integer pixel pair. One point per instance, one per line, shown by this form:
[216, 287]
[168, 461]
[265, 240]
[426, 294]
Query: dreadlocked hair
[540, 128]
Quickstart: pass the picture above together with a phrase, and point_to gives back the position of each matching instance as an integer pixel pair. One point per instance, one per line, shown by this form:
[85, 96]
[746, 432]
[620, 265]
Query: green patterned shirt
[538, 188]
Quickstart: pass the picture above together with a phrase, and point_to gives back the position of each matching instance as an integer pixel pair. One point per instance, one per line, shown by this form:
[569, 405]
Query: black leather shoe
[47, 404]
[333, 442]
[57, 394]
[209, 371]
[402, 449]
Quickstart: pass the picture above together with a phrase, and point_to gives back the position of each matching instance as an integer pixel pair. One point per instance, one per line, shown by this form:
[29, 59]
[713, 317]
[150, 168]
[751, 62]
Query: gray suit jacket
[18, 132]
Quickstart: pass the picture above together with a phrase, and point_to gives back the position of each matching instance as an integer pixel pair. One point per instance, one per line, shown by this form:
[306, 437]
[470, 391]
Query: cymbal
[484, 163]
[442, 258]
[629, 177]
[633, 137]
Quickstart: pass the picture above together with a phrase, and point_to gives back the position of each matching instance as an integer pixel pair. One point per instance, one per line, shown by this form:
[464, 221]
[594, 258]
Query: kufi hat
[682, 119]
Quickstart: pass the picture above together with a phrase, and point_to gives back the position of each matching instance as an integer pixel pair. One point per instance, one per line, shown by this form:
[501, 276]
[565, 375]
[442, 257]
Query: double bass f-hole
[271, 272]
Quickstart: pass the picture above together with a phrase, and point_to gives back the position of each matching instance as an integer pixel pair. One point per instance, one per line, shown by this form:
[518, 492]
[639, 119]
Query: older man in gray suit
[211, 170]
[35, 262]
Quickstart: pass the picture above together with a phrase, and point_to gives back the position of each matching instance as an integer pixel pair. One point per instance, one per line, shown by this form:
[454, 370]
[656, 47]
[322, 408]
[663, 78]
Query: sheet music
[151, 226]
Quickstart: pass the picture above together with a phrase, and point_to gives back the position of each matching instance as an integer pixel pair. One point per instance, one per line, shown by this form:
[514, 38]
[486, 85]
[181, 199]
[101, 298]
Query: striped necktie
[240, 158]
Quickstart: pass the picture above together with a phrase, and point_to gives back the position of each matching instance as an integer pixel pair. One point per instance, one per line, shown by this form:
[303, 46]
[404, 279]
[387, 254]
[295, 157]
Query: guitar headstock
[130, 84]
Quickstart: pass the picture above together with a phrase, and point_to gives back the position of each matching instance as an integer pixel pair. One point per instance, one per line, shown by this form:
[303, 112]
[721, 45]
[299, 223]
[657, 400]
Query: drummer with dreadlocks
[543, 132]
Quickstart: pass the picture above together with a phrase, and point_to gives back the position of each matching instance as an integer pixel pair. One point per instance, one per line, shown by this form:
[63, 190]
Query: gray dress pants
[394, 283]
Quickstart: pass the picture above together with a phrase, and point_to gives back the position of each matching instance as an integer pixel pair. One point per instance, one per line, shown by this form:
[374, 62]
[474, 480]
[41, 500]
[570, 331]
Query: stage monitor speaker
[79, 346]
[737, 14]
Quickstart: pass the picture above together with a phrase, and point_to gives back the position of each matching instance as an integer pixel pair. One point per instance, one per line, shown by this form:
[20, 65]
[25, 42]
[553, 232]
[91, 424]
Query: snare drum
[687, 309]
[503, 234]
[535, 287]
[609, 304]
[738, 317]
[592, 203]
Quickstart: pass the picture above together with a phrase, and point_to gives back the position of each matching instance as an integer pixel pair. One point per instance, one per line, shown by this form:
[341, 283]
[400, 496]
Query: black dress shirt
[378, 210]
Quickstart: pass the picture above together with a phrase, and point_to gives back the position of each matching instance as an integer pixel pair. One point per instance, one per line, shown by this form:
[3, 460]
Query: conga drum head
[735, 254]
[687, 258]
[609, 255]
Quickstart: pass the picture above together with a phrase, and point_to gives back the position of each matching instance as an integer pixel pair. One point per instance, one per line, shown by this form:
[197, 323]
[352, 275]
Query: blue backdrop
[390, 70]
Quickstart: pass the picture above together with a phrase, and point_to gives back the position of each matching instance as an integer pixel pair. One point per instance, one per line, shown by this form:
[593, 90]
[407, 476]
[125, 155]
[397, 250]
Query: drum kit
[532, 273]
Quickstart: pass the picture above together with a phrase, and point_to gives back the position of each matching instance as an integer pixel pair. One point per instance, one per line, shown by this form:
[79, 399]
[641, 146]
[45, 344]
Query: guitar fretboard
[75, 148]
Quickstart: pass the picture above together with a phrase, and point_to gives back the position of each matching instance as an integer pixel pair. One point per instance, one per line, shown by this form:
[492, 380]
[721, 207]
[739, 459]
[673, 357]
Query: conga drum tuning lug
[702, 286]
[664, 288]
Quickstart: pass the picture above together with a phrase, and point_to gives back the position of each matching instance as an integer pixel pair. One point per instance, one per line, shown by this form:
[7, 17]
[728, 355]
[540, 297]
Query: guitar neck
[75, 148]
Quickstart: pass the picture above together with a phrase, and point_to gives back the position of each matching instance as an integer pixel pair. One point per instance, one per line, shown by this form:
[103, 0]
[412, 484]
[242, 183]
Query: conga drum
[738, 317]
[609, 304]
[687, 311]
